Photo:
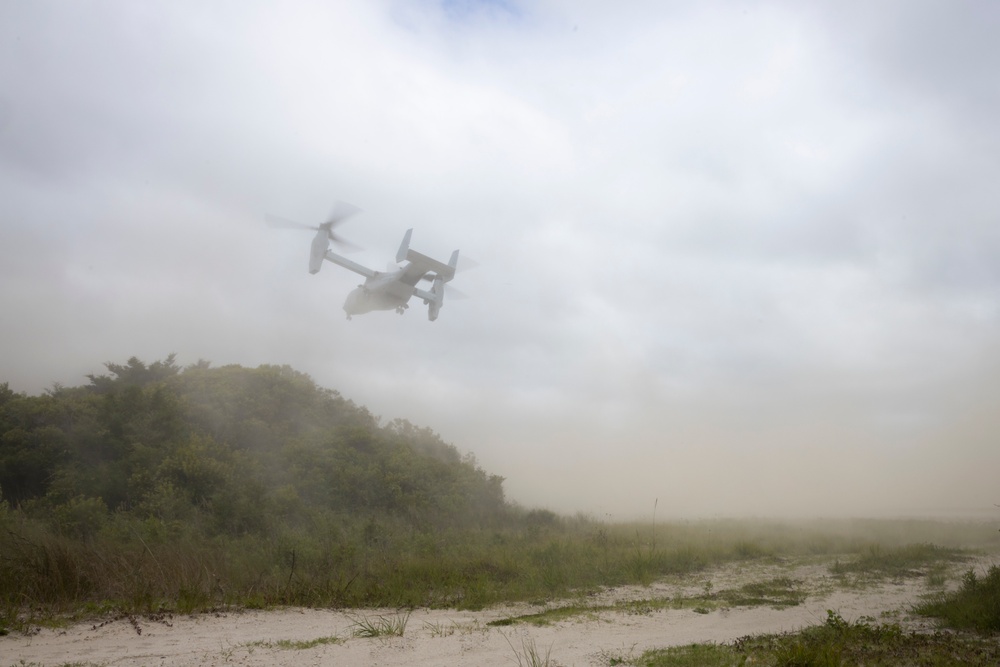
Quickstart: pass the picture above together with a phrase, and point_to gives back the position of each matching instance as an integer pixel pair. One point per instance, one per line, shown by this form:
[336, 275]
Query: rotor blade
[455, 293]
[465, 263]
[347, 246]
[285, 223]
[341, 211]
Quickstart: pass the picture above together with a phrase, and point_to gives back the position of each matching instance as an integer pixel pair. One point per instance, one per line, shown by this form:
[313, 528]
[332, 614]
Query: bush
[975, 606]
[81, 517]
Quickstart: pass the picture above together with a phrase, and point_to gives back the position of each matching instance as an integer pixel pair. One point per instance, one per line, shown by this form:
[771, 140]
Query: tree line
[227, 451]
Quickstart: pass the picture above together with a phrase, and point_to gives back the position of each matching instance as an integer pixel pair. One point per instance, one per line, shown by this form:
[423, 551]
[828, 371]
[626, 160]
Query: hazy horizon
[734, 260]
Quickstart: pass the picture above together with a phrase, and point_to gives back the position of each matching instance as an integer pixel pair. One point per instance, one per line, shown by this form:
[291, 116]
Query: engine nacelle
[320, 244]
[434, 307]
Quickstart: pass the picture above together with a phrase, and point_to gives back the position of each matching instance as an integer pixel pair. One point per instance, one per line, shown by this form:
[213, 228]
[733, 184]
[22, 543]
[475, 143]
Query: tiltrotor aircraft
[382, 290]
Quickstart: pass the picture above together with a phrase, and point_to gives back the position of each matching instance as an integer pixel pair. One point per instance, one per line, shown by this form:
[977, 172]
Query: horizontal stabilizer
[430, 264]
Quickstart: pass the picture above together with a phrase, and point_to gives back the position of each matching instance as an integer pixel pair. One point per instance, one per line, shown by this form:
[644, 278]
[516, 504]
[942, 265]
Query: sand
[450, 637]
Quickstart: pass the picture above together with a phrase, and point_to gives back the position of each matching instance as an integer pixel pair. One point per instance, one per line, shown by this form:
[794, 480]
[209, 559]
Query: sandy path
[448, 637]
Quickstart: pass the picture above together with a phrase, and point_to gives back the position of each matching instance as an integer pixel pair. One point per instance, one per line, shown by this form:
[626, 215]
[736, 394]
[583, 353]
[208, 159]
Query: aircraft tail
[431, 264]
[453, 264]
[404, 247]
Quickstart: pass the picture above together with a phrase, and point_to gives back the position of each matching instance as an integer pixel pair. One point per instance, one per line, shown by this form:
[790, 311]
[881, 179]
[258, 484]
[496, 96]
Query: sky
[733, 258]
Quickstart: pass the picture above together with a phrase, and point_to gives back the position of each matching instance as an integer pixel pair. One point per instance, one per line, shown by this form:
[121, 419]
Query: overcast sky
[735, 258]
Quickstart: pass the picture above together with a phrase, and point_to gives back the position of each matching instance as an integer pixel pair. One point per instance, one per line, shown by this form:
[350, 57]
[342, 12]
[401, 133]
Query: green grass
[879, 562]
[649, 605]
[549, 616]
[777, 593]
[308, 643]
[692, 655]
[832, 644]
[296, 644]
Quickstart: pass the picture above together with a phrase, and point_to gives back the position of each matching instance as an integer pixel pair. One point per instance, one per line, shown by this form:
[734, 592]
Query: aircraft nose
[352, 306]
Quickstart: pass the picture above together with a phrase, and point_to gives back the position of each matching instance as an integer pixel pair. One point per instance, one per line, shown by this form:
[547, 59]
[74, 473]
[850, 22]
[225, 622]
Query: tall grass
[142, 567]
[529, 655]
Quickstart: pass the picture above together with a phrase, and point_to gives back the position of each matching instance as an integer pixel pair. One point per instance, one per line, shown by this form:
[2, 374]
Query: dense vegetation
[155, 482]
[227, 451]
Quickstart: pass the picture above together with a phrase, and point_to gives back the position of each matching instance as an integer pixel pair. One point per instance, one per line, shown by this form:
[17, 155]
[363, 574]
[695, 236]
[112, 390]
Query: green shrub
[975, 606]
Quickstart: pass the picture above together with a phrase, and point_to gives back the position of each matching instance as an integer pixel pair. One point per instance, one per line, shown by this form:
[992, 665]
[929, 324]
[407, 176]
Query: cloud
[740, 259]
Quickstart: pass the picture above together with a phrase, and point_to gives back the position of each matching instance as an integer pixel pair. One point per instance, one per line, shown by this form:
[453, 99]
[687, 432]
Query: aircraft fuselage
[383, 291]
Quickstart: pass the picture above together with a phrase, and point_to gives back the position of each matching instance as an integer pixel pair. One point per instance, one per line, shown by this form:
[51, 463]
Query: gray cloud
[738, 258]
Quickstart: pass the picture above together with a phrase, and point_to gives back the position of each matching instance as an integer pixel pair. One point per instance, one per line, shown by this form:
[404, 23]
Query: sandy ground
[449, 637]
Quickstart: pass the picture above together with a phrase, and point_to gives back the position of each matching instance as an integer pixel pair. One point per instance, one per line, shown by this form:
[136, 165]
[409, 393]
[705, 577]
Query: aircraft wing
[331, 256]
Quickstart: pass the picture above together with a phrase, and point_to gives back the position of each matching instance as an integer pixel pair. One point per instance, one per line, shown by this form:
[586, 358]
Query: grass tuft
[528, 655]
[381, 626]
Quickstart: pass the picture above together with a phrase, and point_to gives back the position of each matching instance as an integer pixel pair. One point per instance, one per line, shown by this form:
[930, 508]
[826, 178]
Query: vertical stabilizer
[404, 246]
[453, 263]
